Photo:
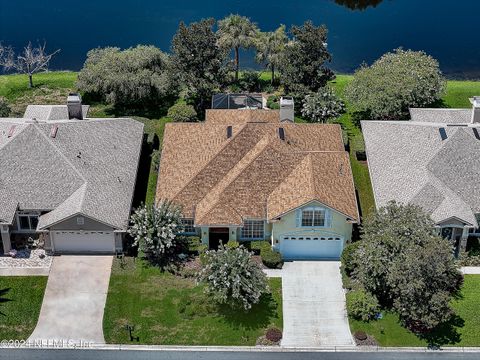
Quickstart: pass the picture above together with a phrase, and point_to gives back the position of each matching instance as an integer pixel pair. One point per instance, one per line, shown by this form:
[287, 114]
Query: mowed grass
[20, 301]
[167, 309]
[463, 330]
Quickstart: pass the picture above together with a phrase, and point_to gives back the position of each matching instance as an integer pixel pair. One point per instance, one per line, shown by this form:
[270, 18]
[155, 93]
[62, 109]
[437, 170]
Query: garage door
[311, 247]
[84, 242]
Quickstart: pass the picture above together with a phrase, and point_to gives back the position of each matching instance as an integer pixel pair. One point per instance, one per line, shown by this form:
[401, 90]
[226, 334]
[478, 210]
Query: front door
[217, 236]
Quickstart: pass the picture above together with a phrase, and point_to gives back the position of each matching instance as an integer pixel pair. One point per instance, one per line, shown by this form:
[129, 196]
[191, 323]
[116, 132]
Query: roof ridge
[236, 171]
[62, 155]
[193, 177]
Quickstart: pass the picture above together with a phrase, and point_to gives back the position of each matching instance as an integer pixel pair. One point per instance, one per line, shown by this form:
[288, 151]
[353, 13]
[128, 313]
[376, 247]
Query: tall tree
[270, 47]
[303, 65]
[29, 61]
[235, 32]
[198, 60]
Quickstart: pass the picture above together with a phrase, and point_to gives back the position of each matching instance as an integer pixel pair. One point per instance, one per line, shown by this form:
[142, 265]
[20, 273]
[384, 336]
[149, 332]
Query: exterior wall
[204, 235]
[119, 241]
[89, 224]
[288, 225]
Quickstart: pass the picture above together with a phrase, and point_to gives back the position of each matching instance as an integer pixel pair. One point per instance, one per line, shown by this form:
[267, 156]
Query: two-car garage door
[311, 247]
[83, 241]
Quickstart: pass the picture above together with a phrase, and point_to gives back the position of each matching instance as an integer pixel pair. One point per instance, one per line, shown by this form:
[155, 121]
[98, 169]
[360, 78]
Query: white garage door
[312, 247]
[85, 241]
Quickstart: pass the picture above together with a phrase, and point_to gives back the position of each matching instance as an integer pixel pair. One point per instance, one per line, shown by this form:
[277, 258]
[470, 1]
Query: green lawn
[167, 309]
[20, 301]
[464, 330]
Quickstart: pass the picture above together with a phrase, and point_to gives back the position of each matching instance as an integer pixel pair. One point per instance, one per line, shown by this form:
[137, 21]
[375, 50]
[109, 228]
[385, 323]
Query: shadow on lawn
[258, 317]
[445, 334]
[3, 299]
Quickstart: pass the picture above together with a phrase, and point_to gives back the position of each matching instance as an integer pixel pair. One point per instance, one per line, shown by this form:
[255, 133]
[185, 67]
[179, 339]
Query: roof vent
[287, 109]
[443, 133]
[53, 131]
[476, 109]
[281, 133]
[74, 106]
[229, 132]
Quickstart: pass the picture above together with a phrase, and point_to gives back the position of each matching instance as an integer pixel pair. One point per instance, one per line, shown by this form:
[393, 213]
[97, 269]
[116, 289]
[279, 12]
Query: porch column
[204, 235]
[7, 245]
[463, 240]
[232, 234]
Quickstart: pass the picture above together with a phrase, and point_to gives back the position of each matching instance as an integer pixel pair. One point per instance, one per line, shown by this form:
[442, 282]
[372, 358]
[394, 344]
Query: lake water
[448, 30]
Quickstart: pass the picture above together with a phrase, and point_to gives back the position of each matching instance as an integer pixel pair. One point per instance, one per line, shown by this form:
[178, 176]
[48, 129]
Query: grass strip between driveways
[20, 302]
[166, 309]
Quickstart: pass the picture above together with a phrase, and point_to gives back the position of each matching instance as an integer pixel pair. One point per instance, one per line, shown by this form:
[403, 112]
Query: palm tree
[270, 46]
[235, 32]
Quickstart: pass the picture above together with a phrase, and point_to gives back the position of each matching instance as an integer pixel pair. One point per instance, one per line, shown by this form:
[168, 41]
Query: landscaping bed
[20, 302]
[172, 310]
[463, 330]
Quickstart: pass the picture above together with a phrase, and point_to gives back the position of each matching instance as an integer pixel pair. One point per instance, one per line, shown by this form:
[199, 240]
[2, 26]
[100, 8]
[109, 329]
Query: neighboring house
[70, 180]
[431, 161]
[253, 177]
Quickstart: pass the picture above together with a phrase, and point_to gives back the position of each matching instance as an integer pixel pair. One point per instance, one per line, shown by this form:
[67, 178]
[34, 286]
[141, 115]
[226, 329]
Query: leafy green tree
[4, 107]
[406, 265]
[270, 47]
[181, 112]
[155, 230]
[232, 277]
[322, 106]
[303, 67]
[235, 32]
[135, 77]
[394, 83]
[199, 62]
[358, 4]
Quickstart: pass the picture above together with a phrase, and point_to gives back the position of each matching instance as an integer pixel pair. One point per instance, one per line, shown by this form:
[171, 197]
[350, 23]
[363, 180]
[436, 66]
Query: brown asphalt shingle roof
[241, 116]
[254, 174]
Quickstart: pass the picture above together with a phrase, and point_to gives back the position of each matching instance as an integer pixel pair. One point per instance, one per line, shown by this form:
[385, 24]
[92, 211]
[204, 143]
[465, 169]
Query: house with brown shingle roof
[242, 176]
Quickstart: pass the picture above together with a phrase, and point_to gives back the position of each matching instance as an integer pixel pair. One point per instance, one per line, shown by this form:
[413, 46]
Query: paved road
[314, 305]
[74, 299]
[33, 354]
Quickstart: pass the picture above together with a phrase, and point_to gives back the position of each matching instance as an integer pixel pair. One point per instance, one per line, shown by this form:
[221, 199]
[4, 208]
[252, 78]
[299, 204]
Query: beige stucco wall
[287, 225]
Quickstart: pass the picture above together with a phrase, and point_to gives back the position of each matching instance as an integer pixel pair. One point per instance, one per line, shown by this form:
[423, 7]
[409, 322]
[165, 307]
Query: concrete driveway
[314, 312]
[72, 308]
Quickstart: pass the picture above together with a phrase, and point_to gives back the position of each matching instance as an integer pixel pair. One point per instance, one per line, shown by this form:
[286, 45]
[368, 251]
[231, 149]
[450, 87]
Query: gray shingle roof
[89, 167]
[441, 116]
[50, 112]
[410, 163]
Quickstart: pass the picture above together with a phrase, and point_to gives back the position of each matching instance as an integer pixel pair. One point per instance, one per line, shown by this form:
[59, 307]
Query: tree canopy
[235, 32]
[303, 66]
[394, 83]
[135, 77]
[199, 62]
[270, 47]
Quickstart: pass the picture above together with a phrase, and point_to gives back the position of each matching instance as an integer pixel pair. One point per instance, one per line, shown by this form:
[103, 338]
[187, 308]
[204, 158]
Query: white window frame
[192, 226]
[314, 210]
[249, 232]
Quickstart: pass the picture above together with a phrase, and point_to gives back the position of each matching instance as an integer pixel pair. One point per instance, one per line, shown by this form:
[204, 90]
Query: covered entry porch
[214, 235]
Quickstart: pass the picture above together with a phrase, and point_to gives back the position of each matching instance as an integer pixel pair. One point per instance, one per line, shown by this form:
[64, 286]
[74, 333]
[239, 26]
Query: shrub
[155, 229]
[135, 77]
[232, 277]
[156, 154]
[348, 257]
[232, 244]
[273, 102]
[271, 258]
[257, 246]
[394, 83]
[274, 335]
[250, 81]
[362, 305]
[181, 112]
[322, 106]
[4, 107]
